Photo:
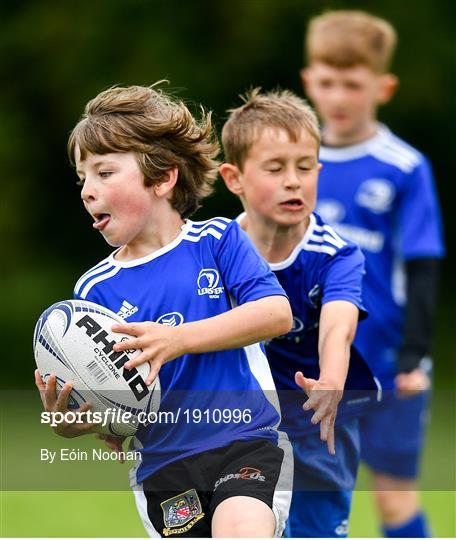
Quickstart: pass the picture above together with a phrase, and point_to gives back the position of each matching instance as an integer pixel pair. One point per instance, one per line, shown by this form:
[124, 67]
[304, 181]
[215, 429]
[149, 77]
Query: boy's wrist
[182, 340]
[331, 382]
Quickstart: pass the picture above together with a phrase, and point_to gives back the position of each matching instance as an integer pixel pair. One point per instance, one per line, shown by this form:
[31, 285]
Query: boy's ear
[231, 176]
[167, 184]
[389, 83]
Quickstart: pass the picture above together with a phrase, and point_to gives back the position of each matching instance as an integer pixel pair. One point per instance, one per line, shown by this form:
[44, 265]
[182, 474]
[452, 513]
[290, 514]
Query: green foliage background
[56, 55]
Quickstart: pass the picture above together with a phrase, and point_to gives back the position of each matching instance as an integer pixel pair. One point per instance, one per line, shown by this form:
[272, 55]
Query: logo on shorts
[342, 529]
[208, 280]
[246, 473]
[181, 512]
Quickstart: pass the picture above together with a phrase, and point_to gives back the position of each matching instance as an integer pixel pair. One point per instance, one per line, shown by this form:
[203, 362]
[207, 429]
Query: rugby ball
[73, 340]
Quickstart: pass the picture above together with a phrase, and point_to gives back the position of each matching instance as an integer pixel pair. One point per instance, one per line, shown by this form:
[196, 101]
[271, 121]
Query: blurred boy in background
[378, 191]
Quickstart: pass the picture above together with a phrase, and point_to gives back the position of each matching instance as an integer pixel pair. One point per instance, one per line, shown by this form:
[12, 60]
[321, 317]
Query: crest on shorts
[181, 512]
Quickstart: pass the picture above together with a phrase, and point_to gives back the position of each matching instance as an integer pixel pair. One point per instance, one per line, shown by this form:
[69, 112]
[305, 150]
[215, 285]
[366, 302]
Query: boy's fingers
[330, 441]
[86, 426]
[85, 407]
[152, 374]
[41, 387]
[132, 329]
[114, 445]
[324, 428]
[62, 398]
[133, 362]
[311, 403]
[126, 344]
[50, 395]
[39, 381]
[304, 383]
[327, 433]
[319, 414]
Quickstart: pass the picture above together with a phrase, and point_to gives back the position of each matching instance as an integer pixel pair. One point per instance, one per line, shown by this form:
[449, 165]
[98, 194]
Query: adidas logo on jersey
[127, 310]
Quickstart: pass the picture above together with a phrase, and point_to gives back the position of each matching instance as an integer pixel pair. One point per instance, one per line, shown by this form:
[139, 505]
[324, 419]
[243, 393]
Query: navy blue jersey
[209, 268]
[381, 194]
[322, 268]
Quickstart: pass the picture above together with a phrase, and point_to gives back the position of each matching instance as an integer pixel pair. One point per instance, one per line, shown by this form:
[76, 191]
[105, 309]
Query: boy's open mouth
[101, 220]
[295, 204]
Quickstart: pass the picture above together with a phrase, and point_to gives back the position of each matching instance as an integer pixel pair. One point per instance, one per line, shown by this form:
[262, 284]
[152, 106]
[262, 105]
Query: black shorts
[180, 499]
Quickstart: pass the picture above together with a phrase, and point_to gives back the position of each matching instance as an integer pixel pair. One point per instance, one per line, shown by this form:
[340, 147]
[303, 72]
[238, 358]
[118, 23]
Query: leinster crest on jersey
[181, 512]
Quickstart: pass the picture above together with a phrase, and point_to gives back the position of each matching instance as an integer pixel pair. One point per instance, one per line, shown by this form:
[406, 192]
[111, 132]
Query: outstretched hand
[159, 343]
[324, 400]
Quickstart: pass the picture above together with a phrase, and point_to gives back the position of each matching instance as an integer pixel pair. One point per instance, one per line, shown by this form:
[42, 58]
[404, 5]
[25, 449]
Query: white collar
[355, 151]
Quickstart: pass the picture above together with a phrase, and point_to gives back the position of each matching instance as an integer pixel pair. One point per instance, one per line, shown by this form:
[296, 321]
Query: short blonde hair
[280, 109]
[347, 38]
[162, 133]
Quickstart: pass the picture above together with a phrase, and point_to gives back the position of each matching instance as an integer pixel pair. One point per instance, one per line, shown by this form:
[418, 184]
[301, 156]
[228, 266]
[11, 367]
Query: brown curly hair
[162, 133]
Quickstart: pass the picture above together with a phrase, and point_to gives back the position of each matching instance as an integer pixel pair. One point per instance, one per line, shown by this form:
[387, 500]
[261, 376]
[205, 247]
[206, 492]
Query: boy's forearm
[334, 352]
[246, 324]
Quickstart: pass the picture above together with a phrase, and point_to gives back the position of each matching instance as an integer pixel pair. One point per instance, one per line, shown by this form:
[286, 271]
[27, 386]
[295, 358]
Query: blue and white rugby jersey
[381, 194]
[322, 268]
[209, 268]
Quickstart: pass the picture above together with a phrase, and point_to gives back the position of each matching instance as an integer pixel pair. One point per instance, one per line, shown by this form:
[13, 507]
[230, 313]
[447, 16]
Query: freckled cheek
[265, 194]
[310, 192]
[266, 200]
[130, 206]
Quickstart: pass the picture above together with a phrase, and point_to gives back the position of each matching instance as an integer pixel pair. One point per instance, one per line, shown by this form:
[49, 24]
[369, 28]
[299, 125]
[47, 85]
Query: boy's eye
[105, 174]
[80, 182]
[353, 86]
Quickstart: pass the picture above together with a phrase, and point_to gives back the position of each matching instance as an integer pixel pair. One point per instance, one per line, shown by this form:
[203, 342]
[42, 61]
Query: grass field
[61, 500]
[113, 514]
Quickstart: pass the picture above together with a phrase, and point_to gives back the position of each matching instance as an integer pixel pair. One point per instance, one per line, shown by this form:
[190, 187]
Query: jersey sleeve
[419, 223]
[245, 273]
[342, 277]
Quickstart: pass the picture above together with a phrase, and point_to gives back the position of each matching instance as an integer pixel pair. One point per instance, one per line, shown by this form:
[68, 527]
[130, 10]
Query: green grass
[69, 514]
[440, 507]
[113, 514]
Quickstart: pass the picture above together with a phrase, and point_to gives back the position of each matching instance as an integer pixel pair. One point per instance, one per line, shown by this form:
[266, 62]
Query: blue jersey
[209, 268]
[381, 194]
[322, 268]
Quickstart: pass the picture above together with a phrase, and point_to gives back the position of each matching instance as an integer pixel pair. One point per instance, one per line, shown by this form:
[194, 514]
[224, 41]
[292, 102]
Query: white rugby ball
[73, 340]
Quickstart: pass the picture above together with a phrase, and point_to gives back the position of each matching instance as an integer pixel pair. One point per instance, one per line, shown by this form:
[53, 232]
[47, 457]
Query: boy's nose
[292, 180]
[88, 192]
[337, 95]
